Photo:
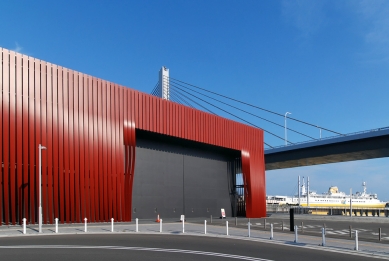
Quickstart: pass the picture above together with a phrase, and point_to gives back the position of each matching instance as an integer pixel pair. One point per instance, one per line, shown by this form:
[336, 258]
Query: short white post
[160, 226]
[356, 240]
[205, 227]
[24, 225]
[323, 236]
[86, 229]
[227, 227]
[136, 225]
[111, 224]
[248, 224]
[271, 230]
[56, 225]
[295, 234]
[183, 225]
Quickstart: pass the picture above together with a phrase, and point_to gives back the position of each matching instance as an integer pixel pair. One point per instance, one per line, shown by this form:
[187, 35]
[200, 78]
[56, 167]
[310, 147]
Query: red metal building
[88, 126]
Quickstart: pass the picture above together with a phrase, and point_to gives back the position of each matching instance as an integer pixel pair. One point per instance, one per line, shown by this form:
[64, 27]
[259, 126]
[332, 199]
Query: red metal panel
[108, 149]
[105, 154]
[31, 135]
[43, 137]
[100, 149]
[95, 146]
[85, 150]
[12, 137]
[50, 153]
[76, 150]
[55, 141]
[121, 146]
[67, 139]
[62, 110]
[1, 136]
[91, 152]
[37, 129]
[81, 177]
[117, 156]
[71, 145]
[19, 136]
[6, 112]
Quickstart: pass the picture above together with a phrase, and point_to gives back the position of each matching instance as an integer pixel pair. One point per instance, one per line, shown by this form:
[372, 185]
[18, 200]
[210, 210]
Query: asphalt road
[156, 247]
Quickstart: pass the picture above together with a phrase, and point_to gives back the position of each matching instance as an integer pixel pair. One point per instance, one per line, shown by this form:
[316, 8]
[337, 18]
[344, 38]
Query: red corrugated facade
[88, 126]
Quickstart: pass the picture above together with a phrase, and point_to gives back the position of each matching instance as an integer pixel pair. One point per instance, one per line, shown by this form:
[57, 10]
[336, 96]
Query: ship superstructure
[332, 198]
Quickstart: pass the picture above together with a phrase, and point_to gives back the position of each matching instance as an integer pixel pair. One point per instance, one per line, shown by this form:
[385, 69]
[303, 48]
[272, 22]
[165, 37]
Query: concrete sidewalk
[172, 227]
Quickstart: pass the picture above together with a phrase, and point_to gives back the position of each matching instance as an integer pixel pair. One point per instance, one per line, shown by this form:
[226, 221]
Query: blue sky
[327, 62]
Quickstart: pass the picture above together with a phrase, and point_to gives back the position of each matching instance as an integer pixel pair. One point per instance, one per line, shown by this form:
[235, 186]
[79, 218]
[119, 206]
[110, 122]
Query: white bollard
[205, 227]
[356, 240]
[111, 224]
[56, 225]
[323, 236]
[24, 225]
[248, 224]
[227, 227]
[136, 225]
[86, 229]
[271, 231]
[295, 234]
[160, 226]
[183, 225]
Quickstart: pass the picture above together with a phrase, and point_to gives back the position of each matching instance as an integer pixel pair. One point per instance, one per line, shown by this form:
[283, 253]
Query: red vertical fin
[100, 139]
[92, 152]
[1, 138]
[76, 150]
[56, 137]
[86, 152]
[93, 146]
[37, 122]
[19, 136]
[12, 136]
[25, 142]
[108, 211]
[61, 143]
[80, 178]
[49, 141]
[71, 148]
[31, 138]
[6, 127]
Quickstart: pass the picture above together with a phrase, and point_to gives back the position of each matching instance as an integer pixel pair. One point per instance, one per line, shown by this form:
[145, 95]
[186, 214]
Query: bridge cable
[248, 104]
[240, 119]
[195, 102]
[182, 99]
[244, 111]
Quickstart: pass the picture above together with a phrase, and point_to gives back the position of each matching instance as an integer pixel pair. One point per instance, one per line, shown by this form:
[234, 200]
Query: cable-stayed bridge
[330, 148]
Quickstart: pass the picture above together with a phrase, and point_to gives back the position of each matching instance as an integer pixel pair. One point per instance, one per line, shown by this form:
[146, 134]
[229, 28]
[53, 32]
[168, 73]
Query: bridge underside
[341, 151]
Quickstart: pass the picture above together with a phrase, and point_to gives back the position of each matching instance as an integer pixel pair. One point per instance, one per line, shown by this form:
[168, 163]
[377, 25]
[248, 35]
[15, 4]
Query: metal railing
[330, 137]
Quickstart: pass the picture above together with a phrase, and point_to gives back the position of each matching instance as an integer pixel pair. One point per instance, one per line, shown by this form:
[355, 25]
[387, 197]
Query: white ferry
[332, 198]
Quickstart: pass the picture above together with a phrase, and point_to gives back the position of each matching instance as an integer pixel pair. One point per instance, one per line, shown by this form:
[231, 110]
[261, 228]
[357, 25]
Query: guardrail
[330, 137]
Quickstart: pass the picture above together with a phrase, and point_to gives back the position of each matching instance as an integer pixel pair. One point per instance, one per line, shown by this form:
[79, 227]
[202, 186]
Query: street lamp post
[286, 141]
[40, 147]
[319, 131]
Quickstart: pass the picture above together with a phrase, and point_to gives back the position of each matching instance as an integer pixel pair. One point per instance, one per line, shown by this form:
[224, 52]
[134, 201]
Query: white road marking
[183, 251]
